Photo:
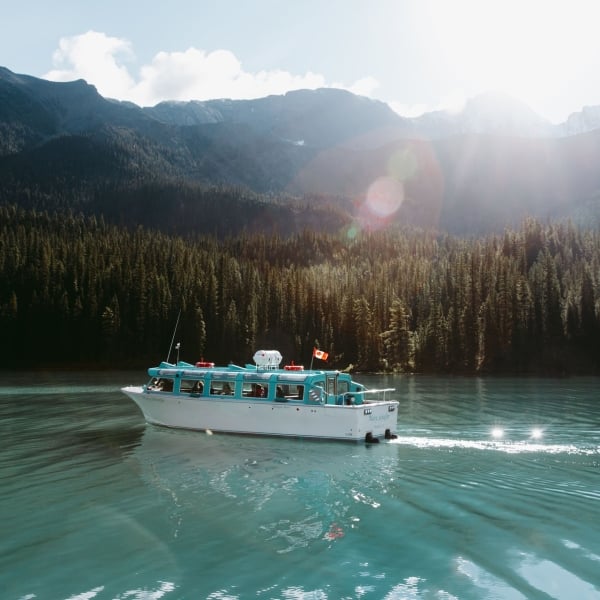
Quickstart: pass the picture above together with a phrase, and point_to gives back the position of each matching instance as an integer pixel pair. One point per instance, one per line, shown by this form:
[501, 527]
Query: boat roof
[184, 369]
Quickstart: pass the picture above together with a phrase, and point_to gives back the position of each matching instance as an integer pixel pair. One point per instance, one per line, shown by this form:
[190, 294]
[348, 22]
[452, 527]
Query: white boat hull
[294, 419]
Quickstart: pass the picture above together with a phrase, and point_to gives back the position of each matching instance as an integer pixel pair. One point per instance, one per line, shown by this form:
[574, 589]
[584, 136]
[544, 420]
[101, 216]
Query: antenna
[173, 338]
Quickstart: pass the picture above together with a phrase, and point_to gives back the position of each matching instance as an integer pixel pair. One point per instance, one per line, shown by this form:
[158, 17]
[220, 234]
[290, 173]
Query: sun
[514, 46]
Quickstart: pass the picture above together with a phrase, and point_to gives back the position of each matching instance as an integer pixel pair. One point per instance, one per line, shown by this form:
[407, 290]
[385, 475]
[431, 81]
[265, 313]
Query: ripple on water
[100, 506]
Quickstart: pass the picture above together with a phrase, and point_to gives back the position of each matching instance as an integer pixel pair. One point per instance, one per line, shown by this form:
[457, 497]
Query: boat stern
[379, 420]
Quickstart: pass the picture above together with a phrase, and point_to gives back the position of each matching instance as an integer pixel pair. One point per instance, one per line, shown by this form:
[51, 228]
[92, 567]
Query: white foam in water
[64, 390]
[87, 595]
[509, 447]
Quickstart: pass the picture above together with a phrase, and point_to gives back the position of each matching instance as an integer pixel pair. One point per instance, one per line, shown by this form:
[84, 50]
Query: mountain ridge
[489, 112]
[478, 170]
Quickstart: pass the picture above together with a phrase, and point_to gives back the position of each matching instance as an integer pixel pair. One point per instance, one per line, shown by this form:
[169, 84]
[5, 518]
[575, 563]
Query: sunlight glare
[513, 46]
[537, 433]
[497, 432]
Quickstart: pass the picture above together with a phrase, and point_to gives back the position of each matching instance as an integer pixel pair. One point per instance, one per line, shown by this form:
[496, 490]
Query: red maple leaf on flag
[320, 354]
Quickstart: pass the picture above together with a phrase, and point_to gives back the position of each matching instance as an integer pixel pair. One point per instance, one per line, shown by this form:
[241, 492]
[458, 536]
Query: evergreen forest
[76, 290]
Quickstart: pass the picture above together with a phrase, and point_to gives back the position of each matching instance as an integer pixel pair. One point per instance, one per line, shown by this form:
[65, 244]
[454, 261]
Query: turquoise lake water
[491, 491]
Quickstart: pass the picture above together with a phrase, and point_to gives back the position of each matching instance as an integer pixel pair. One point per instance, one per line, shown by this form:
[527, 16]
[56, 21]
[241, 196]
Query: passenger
[198, 387]
[279, 392]
[227, 389]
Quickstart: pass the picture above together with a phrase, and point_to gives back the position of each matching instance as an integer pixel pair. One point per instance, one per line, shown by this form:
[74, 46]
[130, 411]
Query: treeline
[172, 206]
[75, 290]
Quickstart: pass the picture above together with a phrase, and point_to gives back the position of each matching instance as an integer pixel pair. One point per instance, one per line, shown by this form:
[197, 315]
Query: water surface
[491, 490]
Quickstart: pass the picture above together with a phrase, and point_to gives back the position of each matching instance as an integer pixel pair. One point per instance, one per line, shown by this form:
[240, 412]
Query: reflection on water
[490, 491]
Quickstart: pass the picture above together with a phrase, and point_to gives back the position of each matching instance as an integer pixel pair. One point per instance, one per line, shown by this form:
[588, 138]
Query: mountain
[317, 118]
[588, 119]
[319, 158]
[490, 113]
[35, 110]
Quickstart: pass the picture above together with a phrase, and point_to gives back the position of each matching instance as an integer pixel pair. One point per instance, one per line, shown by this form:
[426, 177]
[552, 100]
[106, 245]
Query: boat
[265, 399]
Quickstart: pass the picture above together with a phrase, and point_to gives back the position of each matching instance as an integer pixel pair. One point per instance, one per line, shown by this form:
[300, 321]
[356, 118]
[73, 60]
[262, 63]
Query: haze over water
[490, 491]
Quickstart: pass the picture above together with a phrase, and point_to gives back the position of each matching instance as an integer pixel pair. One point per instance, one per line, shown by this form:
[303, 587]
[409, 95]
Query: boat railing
[380, 394]
[319, 395]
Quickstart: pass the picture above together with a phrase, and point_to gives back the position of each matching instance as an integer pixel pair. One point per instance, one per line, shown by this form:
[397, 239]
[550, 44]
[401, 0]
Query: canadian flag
[320, 354]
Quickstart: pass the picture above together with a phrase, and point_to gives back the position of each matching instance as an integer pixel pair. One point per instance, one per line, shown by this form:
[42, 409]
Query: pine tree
[396, 340]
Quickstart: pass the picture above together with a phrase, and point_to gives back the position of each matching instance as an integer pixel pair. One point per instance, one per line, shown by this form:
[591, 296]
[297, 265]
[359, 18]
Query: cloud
[93, 56]
[190, 75]
[363, 87]
[198, 75]
[409, 110]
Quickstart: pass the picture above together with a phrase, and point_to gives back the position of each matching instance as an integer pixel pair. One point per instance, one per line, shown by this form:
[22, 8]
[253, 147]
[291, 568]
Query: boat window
[290, 391]
[221, 388]
[161, 384]
[343, 387]
[331, 387]
[191, 386]
[255, 390]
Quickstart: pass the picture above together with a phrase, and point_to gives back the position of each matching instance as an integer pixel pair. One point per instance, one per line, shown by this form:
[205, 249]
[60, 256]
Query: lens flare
[385, 196]
[352, 231]
[402, 164]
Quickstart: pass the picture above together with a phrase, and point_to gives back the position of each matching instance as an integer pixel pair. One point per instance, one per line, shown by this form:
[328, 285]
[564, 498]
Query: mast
[173, 338]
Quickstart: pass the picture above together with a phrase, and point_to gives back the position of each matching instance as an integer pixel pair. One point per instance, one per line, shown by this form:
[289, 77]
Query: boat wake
[57, 390]
[510, 447]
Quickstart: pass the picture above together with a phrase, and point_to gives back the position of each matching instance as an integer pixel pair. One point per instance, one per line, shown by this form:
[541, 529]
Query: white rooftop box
[267, 359]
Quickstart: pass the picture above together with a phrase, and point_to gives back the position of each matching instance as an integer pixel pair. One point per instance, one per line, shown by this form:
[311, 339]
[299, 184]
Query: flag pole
[173, 338]
[312, 358]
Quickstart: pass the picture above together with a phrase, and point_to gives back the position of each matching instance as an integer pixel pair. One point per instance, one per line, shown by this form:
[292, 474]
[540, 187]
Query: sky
[415, 55]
